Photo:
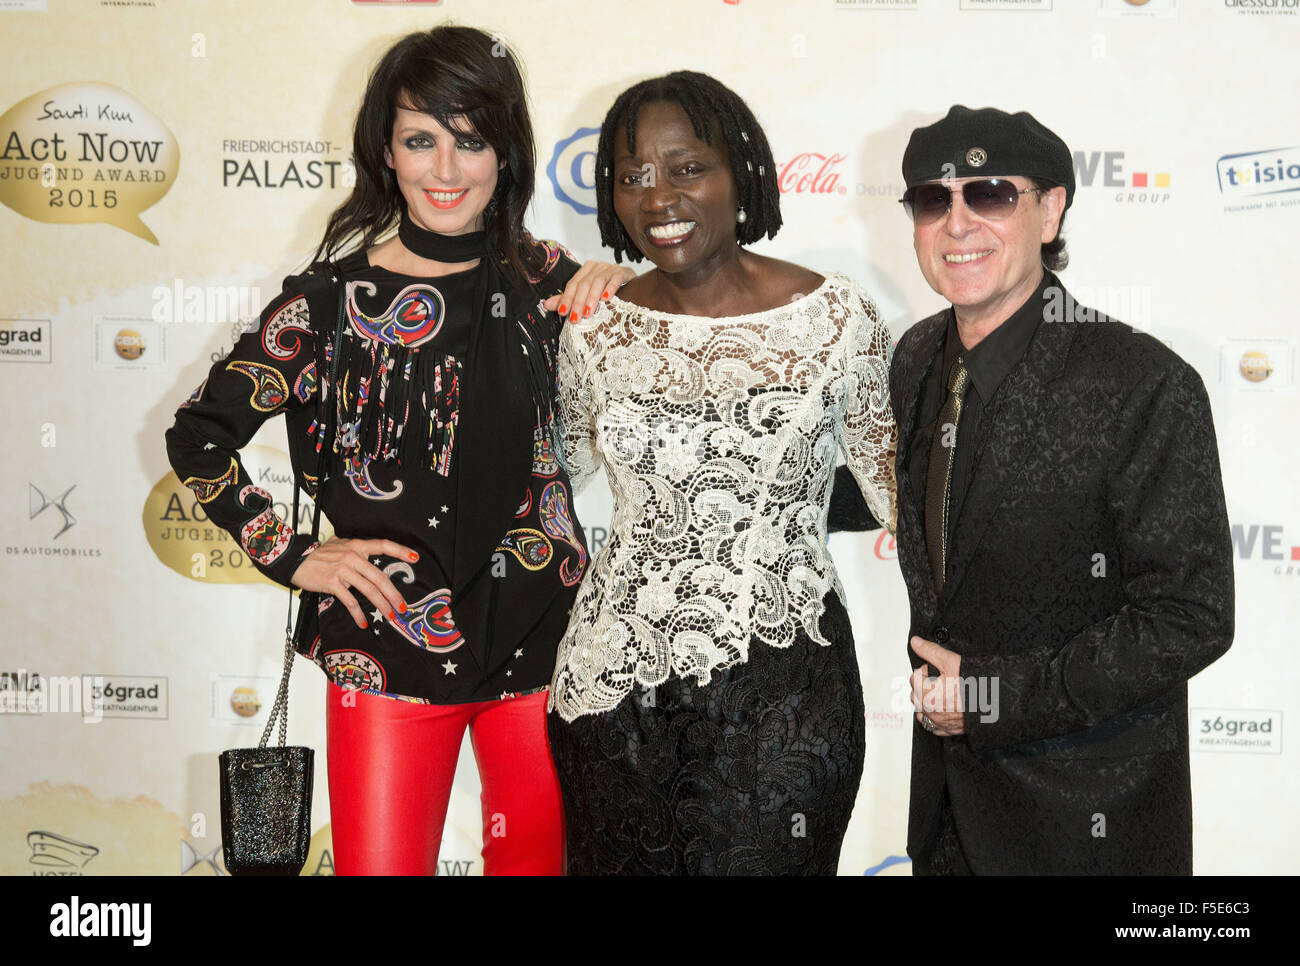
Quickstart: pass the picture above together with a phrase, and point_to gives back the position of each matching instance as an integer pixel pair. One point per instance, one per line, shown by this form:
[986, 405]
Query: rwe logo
[1262, 541]
[1106, 169]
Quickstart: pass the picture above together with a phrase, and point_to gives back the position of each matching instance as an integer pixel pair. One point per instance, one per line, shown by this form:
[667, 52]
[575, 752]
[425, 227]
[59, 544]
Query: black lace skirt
[754, 773]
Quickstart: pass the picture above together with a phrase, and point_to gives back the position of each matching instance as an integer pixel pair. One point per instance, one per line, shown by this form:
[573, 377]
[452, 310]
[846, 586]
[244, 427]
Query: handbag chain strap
[280, 710]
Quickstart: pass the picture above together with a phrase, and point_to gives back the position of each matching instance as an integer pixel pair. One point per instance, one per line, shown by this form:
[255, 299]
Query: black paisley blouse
[395, 471]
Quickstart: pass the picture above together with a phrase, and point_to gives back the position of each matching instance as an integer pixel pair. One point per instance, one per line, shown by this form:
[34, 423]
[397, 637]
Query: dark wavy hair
[1054, 255]
[450, 73]
[708, 104]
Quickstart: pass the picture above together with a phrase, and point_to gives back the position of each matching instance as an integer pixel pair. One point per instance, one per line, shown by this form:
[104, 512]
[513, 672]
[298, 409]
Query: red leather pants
[391, 765]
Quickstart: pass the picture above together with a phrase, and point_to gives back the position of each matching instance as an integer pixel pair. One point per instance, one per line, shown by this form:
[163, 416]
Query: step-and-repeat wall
[163, 164]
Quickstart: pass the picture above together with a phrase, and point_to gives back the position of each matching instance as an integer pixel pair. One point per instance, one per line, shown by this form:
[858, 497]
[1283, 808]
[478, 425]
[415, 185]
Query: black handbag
[266, 792]
[266, 798]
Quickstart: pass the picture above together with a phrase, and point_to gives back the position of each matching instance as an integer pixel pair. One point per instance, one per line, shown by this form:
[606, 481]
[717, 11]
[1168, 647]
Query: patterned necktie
[938, 476]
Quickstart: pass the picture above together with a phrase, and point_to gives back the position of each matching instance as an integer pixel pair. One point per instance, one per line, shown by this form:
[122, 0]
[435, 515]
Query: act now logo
[1258, 174]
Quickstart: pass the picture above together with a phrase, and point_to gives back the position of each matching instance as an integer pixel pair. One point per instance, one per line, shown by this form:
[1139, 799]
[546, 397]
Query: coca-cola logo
[571, 171]
[810, 174]
[886, 548]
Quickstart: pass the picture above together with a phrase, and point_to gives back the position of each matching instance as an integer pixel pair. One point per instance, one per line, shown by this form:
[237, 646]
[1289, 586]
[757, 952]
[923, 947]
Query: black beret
[989, 142]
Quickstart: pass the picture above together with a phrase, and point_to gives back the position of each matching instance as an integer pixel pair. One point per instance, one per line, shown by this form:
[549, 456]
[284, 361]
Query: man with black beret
[1061, 531]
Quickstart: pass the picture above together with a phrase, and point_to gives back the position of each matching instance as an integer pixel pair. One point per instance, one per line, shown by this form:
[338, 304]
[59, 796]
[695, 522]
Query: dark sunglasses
[991, 199]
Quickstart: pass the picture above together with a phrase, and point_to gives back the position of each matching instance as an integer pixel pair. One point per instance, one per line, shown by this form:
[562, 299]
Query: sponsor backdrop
[165, 164]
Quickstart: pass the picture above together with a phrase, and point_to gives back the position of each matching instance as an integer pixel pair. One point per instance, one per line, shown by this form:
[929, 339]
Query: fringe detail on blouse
[383, 390]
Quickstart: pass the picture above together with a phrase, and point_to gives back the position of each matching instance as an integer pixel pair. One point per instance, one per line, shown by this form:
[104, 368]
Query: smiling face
[988, 268]
[675, 194]
[447, 177]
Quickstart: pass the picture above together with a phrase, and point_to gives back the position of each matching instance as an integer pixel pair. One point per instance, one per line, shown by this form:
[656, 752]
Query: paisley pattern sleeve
[558, 264]
[870, 435]
[270, 370]
[576, 423]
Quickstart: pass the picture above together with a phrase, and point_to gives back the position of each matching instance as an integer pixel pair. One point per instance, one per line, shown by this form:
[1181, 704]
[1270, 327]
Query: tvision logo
[1259, 173]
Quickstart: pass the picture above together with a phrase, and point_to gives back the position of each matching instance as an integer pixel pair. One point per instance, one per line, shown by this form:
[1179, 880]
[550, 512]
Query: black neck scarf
[436, 247]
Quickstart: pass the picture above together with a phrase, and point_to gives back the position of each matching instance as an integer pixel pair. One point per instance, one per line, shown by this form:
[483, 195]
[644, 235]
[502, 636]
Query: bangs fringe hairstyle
[711, 107]
[460, 76]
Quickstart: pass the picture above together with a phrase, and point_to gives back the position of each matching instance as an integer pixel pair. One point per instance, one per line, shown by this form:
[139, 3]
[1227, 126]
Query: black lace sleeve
[848, 511]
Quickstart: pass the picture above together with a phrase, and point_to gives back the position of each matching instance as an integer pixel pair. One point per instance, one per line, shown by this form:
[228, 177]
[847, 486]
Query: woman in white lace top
[707, 712]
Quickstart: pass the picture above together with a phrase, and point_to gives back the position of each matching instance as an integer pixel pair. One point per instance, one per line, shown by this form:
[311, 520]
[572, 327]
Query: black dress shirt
[989, 363]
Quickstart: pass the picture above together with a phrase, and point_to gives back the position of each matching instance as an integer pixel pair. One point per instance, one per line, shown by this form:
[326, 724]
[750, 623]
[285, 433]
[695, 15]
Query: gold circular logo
[976, 157]
[129, 344]
[244, 702]
[1255, 366]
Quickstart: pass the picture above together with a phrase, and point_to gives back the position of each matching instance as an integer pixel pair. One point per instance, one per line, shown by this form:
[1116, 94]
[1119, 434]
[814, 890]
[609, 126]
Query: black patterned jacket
[1090, 577]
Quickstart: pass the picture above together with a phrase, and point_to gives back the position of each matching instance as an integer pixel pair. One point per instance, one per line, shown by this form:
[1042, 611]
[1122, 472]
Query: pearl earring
[741, 217]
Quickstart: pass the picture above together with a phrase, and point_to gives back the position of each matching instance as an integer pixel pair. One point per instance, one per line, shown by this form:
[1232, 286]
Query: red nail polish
[392, 616]
[573, 317]
[413, 555]
[402, 607]
[606, 294]
[563, 308]
[586, 312]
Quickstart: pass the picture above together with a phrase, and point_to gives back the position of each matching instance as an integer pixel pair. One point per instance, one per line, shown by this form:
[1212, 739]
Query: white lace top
[719, 438]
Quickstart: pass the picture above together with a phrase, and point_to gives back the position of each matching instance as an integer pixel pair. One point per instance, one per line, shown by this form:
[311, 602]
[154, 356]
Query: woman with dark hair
[441, 598]
[707, 713]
